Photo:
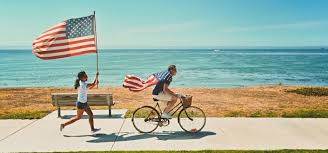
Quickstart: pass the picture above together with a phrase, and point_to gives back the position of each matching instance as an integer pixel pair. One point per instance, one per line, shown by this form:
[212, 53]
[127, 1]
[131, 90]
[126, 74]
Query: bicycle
[192, 119]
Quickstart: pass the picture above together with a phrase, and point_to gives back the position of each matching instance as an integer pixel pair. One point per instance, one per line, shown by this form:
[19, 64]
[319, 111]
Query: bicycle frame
[159, 121]
[175, 108]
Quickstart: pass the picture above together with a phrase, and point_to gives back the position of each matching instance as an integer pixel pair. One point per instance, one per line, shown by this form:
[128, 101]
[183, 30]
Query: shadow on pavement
[130, 136]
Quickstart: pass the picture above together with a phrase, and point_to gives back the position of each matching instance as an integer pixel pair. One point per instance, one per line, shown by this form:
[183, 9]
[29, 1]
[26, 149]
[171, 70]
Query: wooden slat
[90, 104]
[64, 94]
[89, 99]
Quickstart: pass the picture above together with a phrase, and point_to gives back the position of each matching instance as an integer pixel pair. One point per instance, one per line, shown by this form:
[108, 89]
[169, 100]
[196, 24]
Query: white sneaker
[95, 130]
[166, 115]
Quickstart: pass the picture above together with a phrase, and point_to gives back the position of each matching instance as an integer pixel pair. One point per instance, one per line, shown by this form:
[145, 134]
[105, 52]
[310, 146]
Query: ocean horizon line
[206, 48]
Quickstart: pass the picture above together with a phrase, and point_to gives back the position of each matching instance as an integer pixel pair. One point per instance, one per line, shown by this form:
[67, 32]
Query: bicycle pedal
[164, 122]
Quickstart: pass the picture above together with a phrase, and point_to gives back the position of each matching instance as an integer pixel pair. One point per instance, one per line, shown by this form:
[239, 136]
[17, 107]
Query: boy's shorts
[162, 96]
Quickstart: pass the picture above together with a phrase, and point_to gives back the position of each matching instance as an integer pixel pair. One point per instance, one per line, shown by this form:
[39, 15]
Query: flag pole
[95, 31]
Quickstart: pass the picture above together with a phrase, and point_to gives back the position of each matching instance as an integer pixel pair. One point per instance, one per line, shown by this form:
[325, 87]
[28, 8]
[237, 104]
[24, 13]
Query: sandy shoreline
[241, 101]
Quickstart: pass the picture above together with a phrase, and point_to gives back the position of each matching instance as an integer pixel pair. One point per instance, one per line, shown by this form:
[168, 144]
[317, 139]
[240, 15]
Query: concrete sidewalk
[118, 134]
[10, 127]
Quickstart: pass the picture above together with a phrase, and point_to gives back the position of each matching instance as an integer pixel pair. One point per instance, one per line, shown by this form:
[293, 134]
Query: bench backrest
[69, 99]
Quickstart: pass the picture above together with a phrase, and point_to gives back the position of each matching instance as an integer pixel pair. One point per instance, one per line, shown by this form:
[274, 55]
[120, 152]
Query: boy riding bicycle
[162, 92]
[146, 119]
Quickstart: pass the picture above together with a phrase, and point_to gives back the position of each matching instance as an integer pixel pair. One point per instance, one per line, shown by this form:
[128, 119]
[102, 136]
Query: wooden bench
[94, 99]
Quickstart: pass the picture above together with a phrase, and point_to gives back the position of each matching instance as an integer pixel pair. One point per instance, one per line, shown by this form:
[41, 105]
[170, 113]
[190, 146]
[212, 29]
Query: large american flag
[135, 84]
[68, 38]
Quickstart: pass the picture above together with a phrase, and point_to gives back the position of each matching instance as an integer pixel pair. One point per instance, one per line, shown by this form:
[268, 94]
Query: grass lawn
[311, 91]
[215, 151]
[257, 101]
[25, 115]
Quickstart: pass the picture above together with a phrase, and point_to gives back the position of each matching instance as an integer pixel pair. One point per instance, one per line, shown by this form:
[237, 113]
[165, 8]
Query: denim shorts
[80, 105]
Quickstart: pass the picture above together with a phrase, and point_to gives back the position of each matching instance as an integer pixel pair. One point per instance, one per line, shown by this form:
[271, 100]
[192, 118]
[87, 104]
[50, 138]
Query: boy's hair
[79, 76]
[171, 67]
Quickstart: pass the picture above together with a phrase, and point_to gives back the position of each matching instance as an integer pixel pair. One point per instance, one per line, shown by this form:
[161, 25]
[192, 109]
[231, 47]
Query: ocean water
[196, 67]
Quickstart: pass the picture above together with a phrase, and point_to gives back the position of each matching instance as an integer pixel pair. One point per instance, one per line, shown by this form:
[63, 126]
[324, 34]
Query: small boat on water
[216, 50]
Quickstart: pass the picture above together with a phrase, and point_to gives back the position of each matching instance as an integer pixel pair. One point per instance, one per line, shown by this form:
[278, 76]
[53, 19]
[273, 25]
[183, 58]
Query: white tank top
[82, 92]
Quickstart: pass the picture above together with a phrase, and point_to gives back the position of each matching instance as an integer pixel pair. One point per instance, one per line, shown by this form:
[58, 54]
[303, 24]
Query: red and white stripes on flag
[134, 83]
[68, 38]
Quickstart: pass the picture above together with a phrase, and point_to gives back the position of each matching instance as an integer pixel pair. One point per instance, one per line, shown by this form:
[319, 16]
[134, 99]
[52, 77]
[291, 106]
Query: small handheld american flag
[68, 38]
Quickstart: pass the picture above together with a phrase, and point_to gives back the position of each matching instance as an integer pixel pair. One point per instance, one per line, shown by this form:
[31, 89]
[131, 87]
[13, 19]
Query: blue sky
[173, 23]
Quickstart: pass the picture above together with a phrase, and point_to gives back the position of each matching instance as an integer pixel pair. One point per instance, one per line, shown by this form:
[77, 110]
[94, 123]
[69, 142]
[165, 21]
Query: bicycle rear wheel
[145, 119]
[192, 119]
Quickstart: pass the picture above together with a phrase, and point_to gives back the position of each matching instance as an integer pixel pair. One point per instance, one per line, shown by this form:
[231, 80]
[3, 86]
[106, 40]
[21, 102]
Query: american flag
[68, 38]
[134, 83]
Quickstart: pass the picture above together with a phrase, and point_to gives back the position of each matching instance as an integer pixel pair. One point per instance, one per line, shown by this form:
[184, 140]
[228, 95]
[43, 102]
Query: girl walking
[82, 103]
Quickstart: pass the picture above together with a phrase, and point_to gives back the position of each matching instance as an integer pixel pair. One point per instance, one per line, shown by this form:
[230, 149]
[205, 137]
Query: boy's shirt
[163, 77]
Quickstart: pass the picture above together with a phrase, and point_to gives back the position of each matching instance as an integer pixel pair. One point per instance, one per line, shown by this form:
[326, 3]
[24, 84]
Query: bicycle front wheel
[145, 119]
[192, 119]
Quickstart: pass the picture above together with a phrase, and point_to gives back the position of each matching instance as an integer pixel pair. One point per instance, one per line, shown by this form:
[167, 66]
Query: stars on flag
[80, 27]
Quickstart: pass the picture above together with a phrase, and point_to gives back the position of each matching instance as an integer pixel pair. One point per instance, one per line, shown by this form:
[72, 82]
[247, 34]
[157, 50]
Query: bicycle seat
[155, 99]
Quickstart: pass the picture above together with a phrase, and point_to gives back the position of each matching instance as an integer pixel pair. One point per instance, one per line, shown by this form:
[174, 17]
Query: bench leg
[110, 111]
[58, 109]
